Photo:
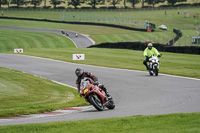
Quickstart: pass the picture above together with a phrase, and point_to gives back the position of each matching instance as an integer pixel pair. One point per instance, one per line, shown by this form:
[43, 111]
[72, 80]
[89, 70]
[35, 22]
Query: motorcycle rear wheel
[96, 102]
[111, 104]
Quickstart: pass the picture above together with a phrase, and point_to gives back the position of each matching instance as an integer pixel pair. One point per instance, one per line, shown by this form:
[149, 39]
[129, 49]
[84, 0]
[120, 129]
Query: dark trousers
[145, 62]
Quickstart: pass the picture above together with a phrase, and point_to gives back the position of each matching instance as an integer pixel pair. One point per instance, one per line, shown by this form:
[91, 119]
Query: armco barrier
[142, 46]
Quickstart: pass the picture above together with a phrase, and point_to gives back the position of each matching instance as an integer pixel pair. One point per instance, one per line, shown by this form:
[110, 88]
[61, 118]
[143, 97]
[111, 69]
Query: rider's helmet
[149, 45]
[79, 72]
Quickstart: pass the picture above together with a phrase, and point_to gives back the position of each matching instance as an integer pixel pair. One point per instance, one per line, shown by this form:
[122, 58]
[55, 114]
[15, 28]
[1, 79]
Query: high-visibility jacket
[149, 53]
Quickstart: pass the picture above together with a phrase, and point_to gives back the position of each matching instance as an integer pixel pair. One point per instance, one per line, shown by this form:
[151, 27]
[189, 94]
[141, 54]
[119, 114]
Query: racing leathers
[95, 82]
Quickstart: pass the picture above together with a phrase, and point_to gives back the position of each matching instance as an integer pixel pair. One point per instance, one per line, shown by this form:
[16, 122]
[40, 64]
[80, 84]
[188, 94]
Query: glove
[147, 58]
[159, 55]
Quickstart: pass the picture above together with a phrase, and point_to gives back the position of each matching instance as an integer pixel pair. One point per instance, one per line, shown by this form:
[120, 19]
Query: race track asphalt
[134, 92]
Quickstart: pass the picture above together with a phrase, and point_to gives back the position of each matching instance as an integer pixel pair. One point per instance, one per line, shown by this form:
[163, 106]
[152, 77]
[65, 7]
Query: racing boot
[108, 95]
[106, 91]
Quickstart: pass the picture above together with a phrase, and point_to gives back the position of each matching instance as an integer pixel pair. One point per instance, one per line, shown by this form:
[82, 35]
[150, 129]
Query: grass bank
[172, 123]
[11, 39]
[109, 34]
[22, 94]
[173, 18]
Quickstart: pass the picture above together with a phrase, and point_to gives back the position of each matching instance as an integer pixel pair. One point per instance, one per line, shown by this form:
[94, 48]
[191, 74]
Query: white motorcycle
[154, 65]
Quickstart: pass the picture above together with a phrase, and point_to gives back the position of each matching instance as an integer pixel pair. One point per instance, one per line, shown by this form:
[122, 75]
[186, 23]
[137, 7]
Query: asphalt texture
[134, 92]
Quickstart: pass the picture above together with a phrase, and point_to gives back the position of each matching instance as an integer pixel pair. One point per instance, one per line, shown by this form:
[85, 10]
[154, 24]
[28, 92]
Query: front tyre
[150, 73]
[96, 102]
[156, 70]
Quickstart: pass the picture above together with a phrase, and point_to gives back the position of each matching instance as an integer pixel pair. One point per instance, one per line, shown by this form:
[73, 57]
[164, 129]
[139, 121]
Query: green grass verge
[22, 93]
[11, 39]
[172, 123]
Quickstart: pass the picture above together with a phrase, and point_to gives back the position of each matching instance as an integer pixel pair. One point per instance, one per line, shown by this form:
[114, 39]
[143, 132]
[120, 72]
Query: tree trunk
[124, 3]
[45, 2]
[94, 4]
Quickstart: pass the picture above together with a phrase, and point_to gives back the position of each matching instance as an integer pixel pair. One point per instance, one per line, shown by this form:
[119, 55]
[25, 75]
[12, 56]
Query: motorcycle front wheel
[96, 102]
[150, 73]
[156, 70]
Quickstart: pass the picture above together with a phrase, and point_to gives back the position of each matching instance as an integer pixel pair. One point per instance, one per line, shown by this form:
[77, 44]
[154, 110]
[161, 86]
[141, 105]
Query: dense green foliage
[110, 3]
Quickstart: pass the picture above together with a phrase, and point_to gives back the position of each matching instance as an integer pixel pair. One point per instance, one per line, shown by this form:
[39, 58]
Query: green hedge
[143, 45]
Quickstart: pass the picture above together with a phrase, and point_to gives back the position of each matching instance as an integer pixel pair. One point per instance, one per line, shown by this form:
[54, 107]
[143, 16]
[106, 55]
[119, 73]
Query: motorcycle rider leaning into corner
[148, 52]
[80, 73]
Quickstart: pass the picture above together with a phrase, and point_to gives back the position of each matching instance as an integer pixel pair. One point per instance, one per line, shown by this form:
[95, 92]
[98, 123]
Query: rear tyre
[111, 104]
[96, 102]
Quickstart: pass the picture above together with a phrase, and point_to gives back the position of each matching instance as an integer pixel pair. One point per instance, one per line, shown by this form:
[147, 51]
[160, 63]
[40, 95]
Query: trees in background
[92, 3]
[4, 2]
[19, 2]
[134, 2]
[75, 3]
[114, 2]
[153, 2]
[173, 2]
[36, 3]
[56, 2]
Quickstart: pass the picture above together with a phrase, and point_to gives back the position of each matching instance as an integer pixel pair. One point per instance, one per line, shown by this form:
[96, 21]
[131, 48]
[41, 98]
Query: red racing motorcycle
[95, 95]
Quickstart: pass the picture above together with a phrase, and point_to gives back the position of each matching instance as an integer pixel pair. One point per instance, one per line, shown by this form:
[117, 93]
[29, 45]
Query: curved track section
[82, 41]
[135, 92]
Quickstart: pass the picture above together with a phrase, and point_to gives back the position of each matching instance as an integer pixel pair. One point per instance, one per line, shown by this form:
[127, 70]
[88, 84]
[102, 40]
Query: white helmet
[149, 45]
